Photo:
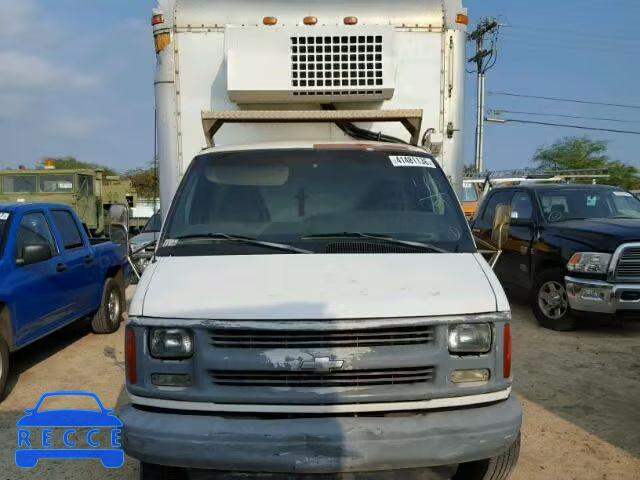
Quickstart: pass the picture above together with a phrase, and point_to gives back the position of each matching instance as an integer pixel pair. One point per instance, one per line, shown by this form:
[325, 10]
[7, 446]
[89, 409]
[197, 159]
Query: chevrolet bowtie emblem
[321, 364]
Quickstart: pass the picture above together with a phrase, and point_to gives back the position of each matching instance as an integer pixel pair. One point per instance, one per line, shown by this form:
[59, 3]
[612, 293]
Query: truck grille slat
[628, 268]
[345, 378]
[232, 338]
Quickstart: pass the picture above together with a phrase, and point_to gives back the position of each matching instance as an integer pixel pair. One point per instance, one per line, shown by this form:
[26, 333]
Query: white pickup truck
[315, 306]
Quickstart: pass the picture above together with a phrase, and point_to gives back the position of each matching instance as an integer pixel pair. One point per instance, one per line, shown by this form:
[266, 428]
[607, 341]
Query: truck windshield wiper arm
[427, 247]
[245, 240]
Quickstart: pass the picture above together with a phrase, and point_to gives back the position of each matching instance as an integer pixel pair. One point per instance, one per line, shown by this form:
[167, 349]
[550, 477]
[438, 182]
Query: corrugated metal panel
[410, 13]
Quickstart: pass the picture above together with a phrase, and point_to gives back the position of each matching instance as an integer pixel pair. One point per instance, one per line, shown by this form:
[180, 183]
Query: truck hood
[314, 287]
[603, 234]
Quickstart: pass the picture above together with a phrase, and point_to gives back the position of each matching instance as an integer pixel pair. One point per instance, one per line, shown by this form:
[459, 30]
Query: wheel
[150, 471]
[109, 316]
[496, 468]
[550, 302]
[4, 365]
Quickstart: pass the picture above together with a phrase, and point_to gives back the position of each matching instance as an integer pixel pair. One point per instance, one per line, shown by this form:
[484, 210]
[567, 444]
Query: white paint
[193, 13]
[411, 161]
[451, 402]
[307, 287]
[502, 302]
[137, 302]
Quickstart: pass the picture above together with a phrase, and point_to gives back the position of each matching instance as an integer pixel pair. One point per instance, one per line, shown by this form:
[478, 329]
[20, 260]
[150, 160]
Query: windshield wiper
[244, 240]
[427, 247]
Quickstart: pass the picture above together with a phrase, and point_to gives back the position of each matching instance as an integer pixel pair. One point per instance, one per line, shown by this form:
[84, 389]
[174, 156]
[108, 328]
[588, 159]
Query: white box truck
[316, 306]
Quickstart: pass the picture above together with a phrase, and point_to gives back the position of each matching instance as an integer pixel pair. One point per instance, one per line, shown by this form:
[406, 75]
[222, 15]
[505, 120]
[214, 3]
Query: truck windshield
[309, 198]
[571, 204]
[469, 193]
[56, 183]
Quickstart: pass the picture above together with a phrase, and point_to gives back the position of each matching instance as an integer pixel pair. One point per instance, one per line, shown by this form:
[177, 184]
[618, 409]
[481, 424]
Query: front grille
[629, 264]
[387, 336]
[344, 378]
[352, 64]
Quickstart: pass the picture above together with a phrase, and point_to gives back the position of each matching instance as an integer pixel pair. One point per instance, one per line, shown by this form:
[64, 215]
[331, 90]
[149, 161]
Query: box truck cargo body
[217, 55]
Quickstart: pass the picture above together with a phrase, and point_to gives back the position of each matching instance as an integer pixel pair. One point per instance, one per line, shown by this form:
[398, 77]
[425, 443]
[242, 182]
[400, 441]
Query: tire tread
[100, 322]
[496, 468]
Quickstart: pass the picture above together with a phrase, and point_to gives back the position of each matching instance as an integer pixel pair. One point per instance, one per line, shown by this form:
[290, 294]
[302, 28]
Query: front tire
[110, 313]
[4, 365]
[496, 468]
[550, 302]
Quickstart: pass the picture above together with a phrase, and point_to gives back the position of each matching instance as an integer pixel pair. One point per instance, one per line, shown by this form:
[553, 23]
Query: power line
[549, 124]
[618, 35]
[498, 111]
[585, 46]
[569, 100]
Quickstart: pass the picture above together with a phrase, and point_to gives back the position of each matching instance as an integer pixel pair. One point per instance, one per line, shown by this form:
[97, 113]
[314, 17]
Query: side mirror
[119, 234]
[34, 254]
[119, 214]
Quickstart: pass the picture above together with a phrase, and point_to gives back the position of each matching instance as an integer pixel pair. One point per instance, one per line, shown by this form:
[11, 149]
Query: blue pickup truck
[52, 274]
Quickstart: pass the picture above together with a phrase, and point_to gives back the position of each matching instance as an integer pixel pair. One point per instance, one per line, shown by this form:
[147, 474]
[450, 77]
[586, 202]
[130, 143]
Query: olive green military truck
[88, 191]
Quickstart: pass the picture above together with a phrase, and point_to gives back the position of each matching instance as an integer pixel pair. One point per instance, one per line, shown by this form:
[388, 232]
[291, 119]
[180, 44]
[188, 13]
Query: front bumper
[597, 296]
[310, 445]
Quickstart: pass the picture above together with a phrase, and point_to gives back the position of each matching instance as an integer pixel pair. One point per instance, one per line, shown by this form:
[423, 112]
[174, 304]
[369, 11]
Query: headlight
[589, 262]
[470, 338]
[170, 343]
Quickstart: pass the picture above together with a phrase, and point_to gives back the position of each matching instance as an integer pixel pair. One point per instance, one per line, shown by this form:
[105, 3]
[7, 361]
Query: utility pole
[484, 60]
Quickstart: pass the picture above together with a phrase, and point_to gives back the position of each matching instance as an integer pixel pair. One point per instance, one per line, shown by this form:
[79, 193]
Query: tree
[144, 181]
[73, 163]
[575, 153]
[470, 170]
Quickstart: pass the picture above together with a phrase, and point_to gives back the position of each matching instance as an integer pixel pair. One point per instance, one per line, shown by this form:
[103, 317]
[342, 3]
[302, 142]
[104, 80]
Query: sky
[76, 78]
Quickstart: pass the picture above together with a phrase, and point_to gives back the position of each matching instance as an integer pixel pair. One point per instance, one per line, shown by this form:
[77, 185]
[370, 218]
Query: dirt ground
[580, 392]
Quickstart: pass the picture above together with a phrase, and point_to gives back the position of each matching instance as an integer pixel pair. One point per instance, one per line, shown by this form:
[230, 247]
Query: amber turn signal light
[506, 363]
[130, 357]
[157, 19]
[462, 19]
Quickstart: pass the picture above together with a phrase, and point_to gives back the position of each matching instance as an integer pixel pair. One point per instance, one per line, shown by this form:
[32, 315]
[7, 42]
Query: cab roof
[54, 171]
[555, 186]
[19, 207]
[319, 145]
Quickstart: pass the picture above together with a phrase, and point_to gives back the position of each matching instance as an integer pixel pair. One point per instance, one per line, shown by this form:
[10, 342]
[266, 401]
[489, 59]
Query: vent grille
[232, 338]
[629, 264]
[369, 247]
[346, 378]
[321, 64]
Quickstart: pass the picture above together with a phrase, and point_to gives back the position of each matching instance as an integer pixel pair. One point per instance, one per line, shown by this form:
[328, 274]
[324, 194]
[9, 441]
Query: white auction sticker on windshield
[410, 161]
[4, 215]
[170, 242]
[622, 194]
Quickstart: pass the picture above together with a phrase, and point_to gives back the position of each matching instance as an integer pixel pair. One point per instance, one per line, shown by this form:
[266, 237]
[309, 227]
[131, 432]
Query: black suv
[574, 248]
